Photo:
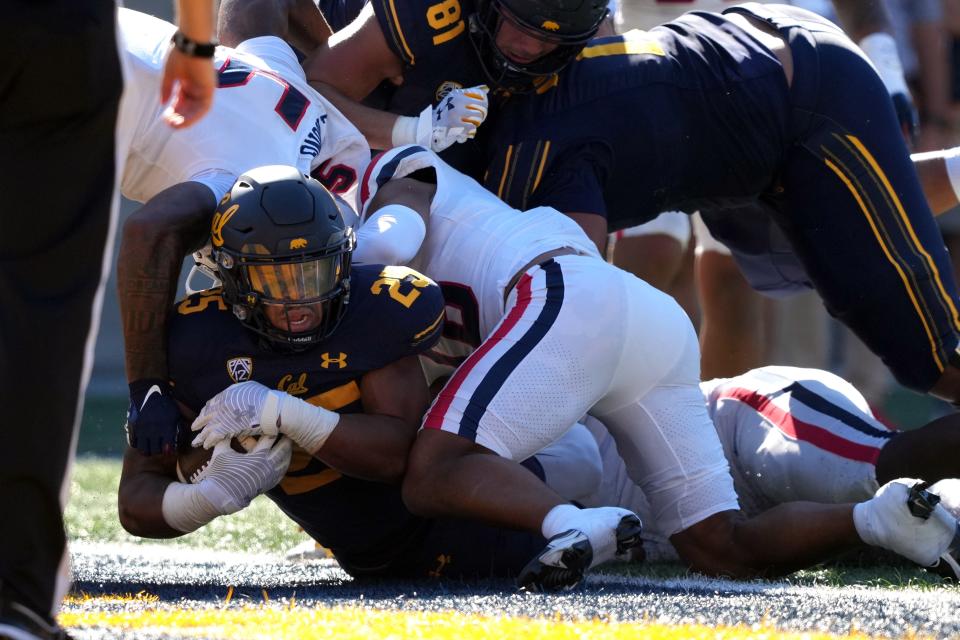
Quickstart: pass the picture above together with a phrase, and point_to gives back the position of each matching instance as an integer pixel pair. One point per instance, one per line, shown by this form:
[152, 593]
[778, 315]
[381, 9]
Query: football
[193, 460]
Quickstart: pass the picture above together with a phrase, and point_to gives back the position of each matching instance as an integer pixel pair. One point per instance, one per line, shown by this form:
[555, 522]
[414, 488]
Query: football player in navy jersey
[180, 177]
[763, 108]
[333, 348]
[438, 53]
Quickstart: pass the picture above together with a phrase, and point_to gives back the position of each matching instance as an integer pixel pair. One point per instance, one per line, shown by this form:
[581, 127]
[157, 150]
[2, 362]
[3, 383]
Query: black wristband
[192, 47]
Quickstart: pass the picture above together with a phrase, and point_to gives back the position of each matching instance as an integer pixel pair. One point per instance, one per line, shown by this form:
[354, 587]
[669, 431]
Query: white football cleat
[603, 533]
[905, 517]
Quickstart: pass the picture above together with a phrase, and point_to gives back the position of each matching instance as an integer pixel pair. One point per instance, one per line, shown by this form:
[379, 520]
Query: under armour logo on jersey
[327, 361]
[314, 140]
[240, 369]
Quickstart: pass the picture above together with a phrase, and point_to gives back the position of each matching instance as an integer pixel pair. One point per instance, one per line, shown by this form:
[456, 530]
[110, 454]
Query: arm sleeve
[391, 235]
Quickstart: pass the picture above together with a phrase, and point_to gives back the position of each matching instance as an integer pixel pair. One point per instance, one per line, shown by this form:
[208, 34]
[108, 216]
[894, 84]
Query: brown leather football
[193, 460]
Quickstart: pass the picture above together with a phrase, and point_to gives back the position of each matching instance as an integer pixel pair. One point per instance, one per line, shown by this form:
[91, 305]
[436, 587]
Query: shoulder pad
[418, 29]
[407, 302]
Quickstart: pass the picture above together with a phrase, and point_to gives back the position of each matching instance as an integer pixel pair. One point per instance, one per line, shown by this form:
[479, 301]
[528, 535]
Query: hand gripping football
[191, 461]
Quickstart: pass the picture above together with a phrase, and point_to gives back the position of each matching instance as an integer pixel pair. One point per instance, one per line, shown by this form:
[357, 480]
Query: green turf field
[92, 517]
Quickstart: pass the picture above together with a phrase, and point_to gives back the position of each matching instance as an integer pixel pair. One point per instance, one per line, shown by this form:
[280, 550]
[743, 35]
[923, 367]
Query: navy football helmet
[567, 23]
[282, 245]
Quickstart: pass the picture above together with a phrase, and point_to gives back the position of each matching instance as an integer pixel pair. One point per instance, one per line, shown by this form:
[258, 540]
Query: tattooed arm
[155, 240]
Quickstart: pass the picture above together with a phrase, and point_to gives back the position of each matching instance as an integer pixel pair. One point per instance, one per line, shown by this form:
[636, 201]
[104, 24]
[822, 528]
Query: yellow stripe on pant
[882, 237]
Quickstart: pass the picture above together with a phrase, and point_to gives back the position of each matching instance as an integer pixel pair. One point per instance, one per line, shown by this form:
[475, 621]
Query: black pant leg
[59, 92]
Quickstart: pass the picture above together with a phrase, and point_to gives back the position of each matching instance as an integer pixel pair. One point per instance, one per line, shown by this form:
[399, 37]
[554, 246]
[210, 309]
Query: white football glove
[227, 484]
[455, 119]
[235, 412]
[887, 520]
[250, 408]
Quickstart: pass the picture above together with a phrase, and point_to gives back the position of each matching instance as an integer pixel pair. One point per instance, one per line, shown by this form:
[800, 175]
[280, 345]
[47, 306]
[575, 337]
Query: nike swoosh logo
[155, 389]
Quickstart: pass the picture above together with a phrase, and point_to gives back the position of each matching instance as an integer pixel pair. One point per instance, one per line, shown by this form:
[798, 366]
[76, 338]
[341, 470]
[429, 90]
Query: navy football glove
[153, 418]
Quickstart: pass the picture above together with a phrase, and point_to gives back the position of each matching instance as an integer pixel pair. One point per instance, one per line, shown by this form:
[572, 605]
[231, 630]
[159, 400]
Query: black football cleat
[17, 622]
[568, 555]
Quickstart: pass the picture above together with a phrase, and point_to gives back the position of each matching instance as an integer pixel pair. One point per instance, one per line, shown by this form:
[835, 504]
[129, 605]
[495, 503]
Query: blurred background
[799, 331]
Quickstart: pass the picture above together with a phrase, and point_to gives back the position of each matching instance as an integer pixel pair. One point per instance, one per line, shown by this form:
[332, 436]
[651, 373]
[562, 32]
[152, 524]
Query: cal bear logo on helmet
[298, 243]
[550, 25]
[219, 222]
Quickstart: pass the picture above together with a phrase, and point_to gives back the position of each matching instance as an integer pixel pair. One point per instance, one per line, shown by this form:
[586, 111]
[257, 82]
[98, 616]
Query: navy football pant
[849, 201]
[60, 86]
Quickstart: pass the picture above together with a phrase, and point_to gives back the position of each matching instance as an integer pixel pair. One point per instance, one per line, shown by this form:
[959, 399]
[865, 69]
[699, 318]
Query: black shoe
[17, 622]
[568, 555]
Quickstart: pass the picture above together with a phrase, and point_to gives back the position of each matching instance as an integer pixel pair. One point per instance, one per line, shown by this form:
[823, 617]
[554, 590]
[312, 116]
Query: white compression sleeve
[404, 131]
[307, 425]
[391, 235]
[185, 508]
[414, 130]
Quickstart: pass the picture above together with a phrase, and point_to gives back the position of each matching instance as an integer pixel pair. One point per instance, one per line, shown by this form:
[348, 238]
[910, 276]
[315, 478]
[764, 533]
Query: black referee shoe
[17, 622]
